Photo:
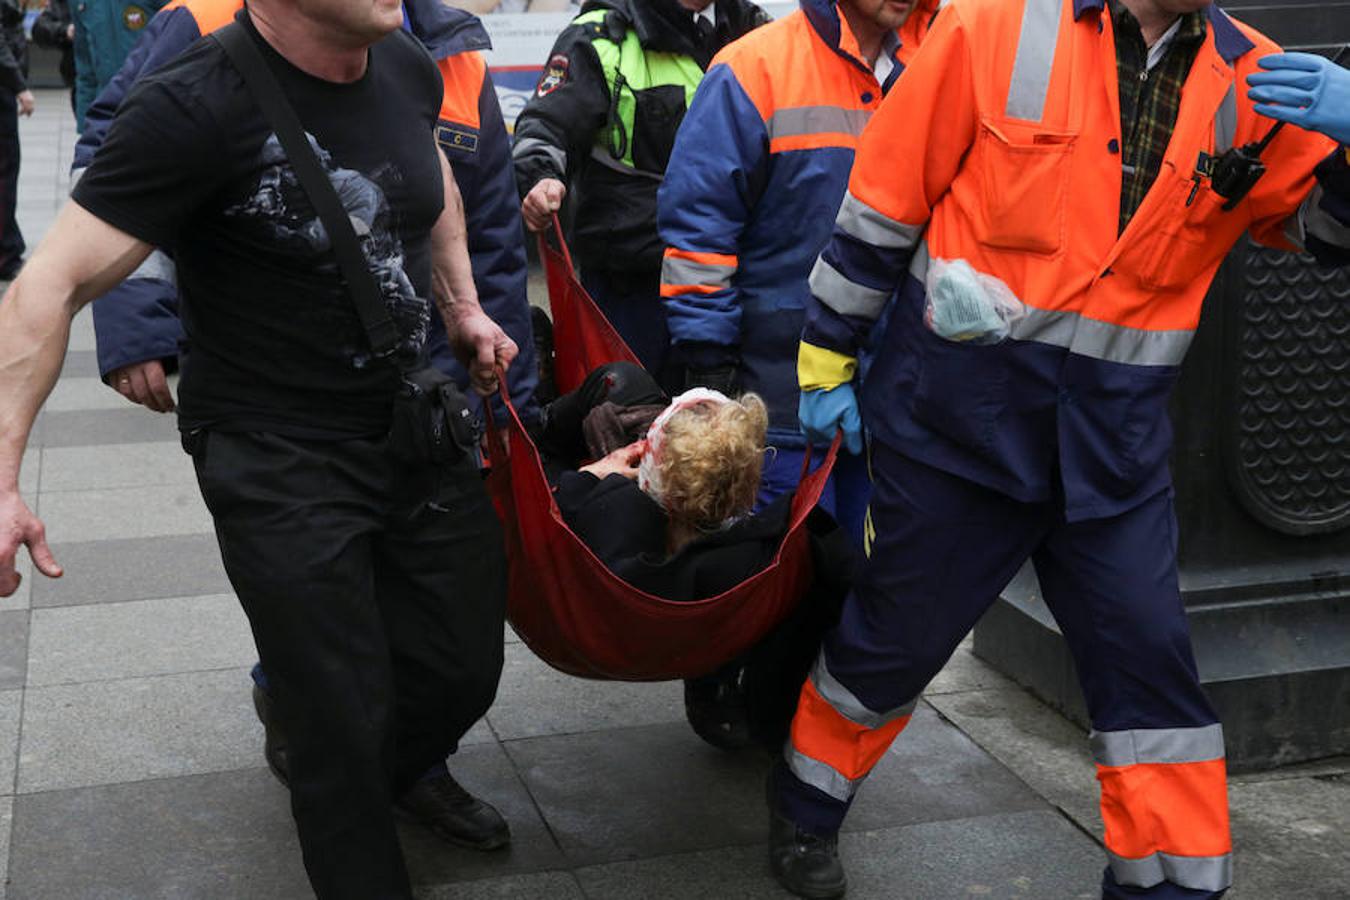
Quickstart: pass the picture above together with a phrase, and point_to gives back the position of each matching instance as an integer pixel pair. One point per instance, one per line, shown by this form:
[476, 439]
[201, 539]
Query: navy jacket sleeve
[481, 161]
[137, 320]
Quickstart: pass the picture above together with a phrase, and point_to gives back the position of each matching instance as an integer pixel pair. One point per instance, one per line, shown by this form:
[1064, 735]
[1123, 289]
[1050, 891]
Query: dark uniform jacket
[615, 208]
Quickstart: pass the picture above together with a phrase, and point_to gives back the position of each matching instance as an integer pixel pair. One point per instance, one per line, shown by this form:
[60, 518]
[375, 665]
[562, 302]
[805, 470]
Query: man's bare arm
[80, 259]
[478, 341]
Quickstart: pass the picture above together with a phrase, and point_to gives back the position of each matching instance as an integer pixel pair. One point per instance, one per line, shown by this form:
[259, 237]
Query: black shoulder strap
[370, 306]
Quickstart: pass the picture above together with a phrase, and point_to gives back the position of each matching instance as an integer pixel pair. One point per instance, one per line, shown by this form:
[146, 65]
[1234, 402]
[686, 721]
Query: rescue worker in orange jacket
[759, 167]
[1034, 211]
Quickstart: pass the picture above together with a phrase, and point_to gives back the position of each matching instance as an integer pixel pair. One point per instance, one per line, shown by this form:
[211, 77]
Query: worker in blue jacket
[759, 168]
[105, 32]
[137, 323]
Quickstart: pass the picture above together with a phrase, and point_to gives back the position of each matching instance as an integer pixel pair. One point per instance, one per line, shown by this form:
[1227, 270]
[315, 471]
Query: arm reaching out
[81, 257]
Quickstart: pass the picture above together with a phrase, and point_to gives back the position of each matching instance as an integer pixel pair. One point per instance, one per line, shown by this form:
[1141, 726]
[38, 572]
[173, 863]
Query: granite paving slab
[626, 794]
[121, 513]
[1015, 855]
[82, 335]
[135, 729]
[133, 569]
[80, 364]
[535, 700]
[115, 466]
[6, 827]
[1289, 833]
[963, 672]
[132, 425]
[84, 393]
[542, 885]
[13, 646]
[106, 641]
[11, 709]
[222, 836]
[1043, 748]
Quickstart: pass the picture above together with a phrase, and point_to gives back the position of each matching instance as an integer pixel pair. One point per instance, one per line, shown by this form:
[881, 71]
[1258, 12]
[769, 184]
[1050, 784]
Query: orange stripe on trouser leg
[842, 744]
[1176, 808]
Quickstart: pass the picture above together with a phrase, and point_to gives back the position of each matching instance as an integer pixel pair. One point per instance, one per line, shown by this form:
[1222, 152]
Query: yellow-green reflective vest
[628, 70]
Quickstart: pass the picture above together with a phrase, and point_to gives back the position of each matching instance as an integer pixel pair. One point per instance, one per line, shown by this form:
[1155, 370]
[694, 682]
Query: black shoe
[455, 815]
[715, 708]
[806, 864]
[274, 742]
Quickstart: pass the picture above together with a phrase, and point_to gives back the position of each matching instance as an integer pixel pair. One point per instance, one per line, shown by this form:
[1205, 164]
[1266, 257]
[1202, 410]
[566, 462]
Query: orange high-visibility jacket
[1001, 147]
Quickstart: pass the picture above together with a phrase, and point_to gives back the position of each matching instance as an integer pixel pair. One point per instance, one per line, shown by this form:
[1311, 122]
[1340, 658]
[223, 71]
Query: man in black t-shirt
[358, 575]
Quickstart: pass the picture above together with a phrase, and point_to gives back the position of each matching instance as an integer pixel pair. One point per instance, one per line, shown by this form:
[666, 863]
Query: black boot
[806, 864]
[274, 742]
[715, 708]
[454, 815]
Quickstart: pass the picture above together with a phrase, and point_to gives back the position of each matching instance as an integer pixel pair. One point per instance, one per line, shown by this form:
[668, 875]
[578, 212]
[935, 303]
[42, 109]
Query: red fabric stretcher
[571, 610]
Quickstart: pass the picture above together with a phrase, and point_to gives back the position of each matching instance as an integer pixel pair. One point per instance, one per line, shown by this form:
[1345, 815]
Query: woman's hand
[623, 461]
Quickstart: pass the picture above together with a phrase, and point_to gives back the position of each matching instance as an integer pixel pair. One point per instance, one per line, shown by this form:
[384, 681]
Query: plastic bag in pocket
[968, 307]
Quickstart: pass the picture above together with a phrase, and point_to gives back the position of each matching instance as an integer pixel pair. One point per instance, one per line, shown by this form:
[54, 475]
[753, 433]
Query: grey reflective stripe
[1316, 221]
[536, 147]
[1133, 346]
[843, 701]
[844, 296]
[1158, 745]
[1030, 83]
[861, 221]
[796, 120]
[819, 775]
[679, 272]
[1199, 873]
[1225, 122]
[603, 158]
[157, 266]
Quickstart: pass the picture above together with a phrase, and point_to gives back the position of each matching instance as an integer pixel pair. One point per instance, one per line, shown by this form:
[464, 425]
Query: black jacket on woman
[13, 48]
[626, 529]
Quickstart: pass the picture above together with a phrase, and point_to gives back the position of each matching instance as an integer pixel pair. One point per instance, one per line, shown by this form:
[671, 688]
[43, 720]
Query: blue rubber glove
[1305, 90]
[824, 412]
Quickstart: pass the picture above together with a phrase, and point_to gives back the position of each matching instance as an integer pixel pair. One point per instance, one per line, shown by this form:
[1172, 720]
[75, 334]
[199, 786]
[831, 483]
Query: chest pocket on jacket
[1181, 235]
[658, 112]
[1024, 172]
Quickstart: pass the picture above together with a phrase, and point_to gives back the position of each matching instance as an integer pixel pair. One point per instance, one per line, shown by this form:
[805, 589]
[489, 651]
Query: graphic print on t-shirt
[280, 207]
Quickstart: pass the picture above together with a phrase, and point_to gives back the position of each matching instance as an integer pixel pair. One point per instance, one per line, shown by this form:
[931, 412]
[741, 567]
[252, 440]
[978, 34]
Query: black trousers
[376, 594]
[11, 238]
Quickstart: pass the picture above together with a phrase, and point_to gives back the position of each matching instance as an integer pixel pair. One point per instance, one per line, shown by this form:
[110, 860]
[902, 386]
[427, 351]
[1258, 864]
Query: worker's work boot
[274, 741]
[806, 864]
[450, 812]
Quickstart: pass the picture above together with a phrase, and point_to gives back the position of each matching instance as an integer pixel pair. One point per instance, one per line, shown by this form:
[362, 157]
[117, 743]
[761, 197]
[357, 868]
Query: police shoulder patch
[134, 17]
[555, 73]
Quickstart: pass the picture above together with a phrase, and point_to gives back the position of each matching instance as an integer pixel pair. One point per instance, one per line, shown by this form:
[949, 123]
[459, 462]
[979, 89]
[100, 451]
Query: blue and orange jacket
[138, 320]
[759, 167]
[1001, 148]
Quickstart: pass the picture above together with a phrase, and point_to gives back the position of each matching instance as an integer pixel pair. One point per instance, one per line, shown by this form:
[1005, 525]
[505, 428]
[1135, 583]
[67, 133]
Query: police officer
[603, 118]
[105, 31]
[15, 100]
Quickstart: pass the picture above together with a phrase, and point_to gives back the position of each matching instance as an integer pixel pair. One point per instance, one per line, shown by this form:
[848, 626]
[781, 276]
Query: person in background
[15, 100]
[55, 30]
[759, 168]
[603, 120]
[105, 32]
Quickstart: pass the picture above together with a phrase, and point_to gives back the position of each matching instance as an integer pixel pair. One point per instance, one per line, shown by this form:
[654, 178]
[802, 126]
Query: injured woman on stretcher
[666, 504]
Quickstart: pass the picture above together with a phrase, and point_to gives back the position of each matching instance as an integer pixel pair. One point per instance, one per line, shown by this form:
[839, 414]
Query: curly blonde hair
[711, 461]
